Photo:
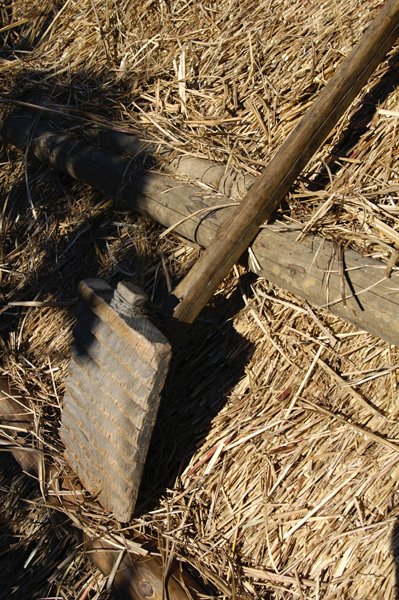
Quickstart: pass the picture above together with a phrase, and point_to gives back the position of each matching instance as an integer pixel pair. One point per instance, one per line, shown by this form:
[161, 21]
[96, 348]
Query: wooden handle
[233, 238]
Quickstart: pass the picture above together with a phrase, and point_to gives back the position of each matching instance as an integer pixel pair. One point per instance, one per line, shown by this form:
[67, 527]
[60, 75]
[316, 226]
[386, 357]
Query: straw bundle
[274, 461]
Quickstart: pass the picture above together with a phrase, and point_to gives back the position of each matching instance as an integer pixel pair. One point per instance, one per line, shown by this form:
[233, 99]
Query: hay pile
[274, 463]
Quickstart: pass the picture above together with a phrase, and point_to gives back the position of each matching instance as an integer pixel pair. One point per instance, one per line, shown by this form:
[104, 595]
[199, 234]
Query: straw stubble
[274, 464]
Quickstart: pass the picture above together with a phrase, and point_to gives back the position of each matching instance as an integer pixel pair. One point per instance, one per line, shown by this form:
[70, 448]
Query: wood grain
[117, 370]
[309, 270]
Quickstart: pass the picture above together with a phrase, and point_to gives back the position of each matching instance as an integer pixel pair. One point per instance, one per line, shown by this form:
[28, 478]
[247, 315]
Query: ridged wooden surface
[117, 370]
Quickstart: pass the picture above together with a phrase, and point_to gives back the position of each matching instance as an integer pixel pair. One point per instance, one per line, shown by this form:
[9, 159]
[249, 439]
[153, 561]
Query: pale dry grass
[281, 478]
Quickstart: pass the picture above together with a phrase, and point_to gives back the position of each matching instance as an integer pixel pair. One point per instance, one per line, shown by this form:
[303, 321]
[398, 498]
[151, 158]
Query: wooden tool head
[117, 370]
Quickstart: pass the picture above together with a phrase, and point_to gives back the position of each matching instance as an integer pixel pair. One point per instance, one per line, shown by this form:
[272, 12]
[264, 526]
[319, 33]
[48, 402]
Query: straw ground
[274, 464]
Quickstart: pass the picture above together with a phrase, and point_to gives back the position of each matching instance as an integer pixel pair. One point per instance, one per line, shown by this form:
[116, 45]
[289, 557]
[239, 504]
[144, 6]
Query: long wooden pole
[193, 293]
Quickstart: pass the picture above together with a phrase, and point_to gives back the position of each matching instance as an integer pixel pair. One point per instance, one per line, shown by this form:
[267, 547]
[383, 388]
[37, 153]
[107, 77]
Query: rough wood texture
[118, 367]
[275, 252]
[137, 578]
[310, 270]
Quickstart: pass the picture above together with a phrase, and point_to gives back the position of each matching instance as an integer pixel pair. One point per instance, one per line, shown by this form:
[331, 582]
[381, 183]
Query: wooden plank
[299, 267]
[112, 392]
[137, 578]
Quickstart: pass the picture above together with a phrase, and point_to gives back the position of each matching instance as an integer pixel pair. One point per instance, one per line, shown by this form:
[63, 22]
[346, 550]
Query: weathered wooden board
[300, 267]
[117, 370]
